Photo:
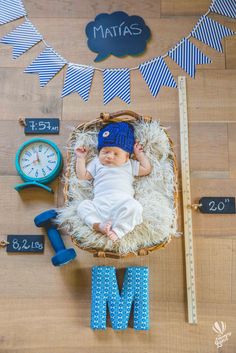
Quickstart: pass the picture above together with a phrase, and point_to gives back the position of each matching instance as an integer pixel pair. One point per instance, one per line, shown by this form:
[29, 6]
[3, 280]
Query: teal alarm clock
[38, 162]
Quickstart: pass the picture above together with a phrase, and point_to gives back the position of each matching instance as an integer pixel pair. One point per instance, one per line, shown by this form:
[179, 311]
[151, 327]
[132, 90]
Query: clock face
[38, 160]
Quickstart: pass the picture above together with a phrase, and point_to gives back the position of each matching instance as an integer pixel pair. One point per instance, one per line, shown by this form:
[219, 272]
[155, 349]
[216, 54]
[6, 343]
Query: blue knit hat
[118, 134]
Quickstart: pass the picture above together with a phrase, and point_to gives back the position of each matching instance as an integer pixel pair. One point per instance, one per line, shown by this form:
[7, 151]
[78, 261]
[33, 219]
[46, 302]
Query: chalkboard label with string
[42, 126]
[25, 243]
[217, 205]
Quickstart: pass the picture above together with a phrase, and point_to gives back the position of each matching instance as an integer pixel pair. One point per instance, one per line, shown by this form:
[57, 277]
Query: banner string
[137, 67]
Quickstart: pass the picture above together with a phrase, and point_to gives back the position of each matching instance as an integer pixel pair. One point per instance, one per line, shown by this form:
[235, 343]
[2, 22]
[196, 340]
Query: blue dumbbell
[63, 255]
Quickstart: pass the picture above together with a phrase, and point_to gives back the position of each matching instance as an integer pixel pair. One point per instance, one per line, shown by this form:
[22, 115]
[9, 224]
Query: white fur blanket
[155, 192]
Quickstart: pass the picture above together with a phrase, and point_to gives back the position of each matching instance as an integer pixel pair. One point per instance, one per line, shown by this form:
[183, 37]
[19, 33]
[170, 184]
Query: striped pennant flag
[211, 32]
[11, 10]
[224, 7]
[156, 74]
[116, 84]
[22, 38]
[187, 56]
[78, 79]
[47, 65]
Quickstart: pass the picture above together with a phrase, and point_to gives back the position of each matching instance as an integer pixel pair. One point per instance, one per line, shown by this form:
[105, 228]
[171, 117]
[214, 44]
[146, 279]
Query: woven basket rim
[104, 119]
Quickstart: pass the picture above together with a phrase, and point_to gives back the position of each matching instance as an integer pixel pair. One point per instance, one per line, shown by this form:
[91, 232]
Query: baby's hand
[81, 152]
[138, 148]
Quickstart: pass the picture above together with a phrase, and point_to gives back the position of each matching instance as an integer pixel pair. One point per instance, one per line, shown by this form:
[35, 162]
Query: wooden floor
[44, 309]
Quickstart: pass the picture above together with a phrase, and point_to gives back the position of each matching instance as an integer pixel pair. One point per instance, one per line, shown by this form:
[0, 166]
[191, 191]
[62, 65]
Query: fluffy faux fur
[155, 192]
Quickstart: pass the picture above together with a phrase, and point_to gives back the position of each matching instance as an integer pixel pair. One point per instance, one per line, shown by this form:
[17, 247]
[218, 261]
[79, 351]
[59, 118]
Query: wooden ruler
[187, 211]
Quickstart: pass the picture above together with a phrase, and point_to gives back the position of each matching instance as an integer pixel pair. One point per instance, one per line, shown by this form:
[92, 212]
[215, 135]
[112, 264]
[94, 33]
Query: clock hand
[37, 158]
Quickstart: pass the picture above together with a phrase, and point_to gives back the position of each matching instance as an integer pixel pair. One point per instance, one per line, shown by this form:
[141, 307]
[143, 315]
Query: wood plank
[230, 47]
[230, 53]
[141, 102]
[52, 318]
[55, 32]
[25, 59]
[210, 174]
[208, 146]
[212, 96]
[213, 281]
[75, 277]
[21, 94]
[184, 8]
[233, 274]
[22, 207]
[89, 9]
[232, 149]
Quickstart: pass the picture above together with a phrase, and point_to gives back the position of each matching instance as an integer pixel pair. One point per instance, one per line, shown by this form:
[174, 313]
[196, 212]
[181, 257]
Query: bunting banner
[11, 10]
[22, 38]
[46, 65]
[116, 84]
[224, 7]
[116, 81]
[156, 74]
[78, 79]
[187, 56]
[211, 33]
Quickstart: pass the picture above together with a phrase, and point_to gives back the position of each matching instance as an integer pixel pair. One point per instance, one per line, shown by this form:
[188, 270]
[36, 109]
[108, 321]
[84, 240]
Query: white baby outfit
[113, 197]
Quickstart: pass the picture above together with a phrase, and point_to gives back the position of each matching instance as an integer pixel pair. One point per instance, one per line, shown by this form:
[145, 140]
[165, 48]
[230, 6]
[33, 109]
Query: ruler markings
[186, 192]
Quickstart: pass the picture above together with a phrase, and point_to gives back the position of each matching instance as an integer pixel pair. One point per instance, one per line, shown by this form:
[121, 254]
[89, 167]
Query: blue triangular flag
[224, 7]
[78, 79]
[47, 65]
[116, 84]
[156, 74]
[211, 32]
[187, 56]
[22, 38]
[11, 10]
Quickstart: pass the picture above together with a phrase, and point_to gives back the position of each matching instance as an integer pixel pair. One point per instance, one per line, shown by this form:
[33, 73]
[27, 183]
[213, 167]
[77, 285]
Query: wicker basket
[128, 116]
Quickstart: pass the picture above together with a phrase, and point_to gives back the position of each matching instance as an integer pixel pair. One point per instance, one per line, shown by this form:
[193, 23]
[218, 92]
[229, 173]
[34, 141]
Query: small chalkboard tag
[25, 243]
[217, 205]
[42, 126]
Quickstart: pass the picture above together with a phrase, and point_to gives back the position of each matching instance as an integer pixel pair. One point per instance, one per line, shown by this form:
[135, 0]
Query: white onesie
[113, 197]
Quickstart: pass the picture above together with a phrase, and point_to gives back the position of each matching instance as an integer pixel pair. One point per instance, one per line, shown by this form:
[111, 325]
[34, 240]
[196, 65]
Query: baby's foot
[112, 235]
[105, 227]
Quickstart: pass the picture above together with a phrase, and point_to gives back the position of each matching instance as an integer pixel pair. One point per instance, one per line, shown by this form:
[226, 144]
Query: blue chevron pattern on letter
[156, 74]
[116, 84]
[224, 7]
[211, 32]
[78, 79]
[11, 10]
[105, 291]
[47, 65]
[187, 56]
[22, 38]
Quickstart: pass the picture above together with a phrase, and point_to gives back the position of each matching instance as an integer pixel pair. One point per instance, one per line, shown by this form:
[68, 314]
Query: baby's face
[113, 156]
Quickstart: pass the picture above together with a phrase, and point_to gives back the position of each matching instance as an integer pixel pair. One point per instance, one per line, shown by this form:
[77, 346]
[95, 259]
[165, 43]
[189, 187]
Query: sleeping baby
[113, 211]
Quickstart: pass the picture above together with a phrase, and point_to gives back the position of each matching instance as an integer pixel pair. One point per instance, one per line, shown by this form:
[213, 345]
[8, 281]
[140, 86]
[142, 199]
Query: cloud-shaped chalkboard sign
[118, 34]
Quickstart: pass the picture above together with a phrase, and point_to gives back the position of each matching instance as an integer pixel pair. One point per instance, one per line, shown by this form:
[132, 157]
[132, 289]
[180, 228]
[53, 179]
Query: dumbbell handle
[55, 239]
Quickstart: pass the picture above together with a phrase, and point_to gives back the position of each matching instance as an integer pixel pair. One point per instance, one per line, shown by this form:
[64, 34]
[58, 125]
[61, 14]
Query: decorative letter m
[105, 292]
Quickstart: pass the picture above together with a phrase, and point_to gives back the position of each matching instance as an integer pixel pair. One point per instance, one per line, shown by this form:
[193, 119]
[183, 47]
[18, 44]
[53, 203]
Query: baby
[113, 211]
